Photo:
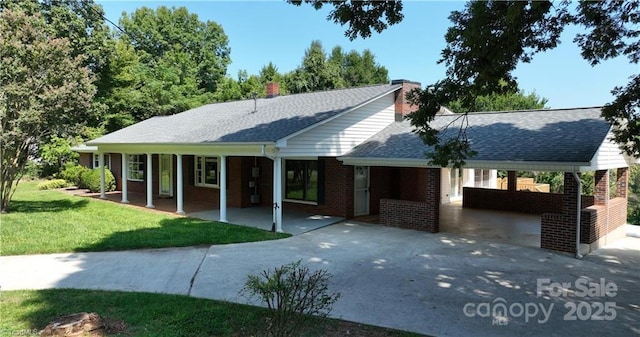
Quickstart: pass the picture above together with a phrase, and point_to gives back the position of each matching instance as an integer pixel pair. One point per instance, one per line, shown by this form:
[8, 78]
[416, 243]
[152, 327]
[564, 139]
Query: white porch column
[125, 177]
[179, 179]
[277, 193]
[102, 178]
[149, 169]
[223, 188]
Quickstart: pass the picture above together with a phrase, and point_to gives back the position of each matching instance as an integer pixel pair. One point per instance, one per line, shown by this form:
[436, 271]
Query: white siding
[336, 137]
[608, 156]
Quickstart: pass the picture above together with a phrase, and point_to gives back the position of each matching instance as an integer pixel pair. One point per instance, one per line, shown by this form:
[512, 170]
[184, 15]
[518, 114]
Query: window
[482, 178]
[96, 160]
[301, 180]
[206, 171]
[136, 167]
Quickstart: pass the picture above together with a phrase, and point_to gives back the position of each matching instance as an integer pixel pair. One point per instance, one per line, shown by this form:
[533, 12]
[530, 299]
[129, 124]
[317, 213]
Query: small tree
[292, 292]
[44, 92]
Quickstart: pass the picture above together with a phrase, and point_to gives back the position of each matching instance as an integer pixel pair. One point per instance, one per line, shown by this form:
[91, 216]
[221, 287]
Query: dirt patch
[83, 324]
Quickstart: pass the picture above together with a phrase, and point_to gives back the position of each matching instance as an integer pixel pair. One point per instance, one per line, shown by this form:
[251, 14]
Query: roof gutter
[424, 162]
[90, 143]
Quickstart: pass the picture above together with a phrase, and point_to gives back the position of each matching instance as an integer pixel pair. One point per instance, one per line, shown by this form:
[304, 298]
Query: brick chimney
[401, 104]
[273, 89]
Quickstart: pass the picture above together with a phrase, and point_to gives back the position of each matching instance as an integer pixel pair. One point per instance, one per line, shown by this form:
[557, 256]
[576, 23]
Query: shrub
[52, 184]
[292, 292]
[91, 179]
[32, 170]
[73, 173]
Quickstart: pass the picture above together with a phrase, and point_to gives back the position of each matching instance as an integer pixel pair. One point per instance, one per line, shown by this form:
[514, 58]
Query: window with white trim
[96, 160]
[206, 171]
[482, 178]
[135, 170]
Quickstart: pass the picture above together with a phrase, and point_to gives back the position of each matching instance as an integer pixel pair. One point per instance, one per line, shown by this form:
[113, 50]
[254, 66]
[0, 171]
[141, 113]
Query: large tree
[82, 23]
[319, 71]
[163, 31]
[165, 61]
[44, 92]
[489, 38]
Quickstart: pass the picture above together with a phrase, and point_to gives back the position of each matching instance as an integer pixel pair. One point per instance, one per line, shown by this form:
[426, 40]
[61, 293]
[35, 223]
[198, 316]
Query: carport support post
[277, 193]
[179, 179]
[125, 177]
[149, 182]
[512, 181]
[223, 188]
[102, 178]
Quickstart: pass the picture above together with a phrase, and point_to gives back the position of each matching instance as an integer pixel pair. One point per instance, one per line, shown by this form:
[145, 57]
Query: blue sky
[273, 31]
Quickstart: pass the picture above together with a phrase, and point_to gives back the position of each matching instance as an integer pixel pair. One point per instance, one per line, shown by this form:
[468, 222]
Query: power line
[103, 16]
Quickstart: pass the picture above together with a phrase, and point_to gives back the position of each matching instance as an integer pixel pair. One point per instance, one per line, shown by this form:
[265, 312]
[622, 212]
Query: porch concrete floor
[293, 221]
[488, 225]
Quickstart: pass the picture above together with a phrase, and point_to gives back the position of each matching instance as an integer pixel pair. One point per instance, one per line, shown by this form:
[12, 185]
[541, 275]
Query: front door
[166, 175]
[361, 187]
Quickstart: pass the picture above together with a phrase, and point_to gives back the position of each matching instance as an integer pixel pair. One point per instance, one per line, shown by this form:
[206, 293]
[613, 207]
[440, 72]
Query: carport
[490, 225]
[559, 140]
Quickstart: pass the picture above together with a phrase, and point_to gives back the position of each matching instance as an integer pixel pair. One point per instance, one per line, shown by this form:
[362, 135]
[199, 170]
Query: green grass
[144, 314]
[53, 222]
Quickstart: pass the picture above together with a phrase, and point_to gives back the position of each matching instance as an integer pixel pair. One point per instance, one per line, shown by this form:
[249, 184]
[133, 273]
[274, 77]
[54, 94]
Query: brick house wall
[86, 159]
[339, 191]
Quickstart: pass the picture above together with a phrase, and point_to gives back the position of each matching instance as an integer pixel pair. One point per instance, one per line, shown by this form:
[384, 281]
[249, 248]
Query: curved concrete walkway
[410, 280]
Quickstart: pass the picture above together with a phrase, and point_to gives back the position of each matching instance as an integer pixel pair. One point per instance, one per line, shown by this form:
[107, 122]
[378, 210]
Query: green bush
[91, 179]
[33, 170]
[293, 293]
[73, 173]
[52, 184]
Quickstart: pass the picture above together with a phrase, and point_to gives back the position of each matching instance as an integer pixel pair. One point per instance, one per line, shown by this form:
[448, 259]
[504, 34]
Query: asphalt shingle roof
[556, 135]
[231, 122]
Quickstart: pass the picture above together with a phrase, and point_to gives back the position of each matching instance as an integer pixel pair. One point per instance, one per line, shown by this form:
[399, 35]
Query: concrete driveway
[436, 284]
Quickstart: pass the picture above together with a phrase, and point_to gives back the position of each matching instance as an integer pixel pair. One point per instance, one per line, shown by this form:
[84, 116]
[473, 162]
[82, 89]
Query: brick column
[432, 199]
[558, 231]
[601, 190]
[570, 197]
[512, 181]
[622, 183]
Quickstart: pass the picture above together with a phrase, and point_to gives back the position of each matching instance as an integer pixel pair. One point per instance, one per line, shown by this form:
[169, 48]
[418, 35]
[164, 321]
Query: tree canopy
[319, 71]
[501, 102]
[45, 92]
[164, 61]
[488, 39]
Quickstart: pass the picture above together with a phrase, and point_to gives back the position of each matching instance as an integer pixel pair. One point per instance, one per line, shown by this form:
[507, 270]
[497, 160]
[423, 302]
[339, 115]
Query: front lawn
[24, 313]
[53, 222]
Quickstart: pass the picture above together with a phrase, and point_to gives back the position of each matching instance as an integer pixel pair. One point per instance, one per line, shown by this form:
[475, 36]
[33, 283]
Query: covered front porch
[295, 222]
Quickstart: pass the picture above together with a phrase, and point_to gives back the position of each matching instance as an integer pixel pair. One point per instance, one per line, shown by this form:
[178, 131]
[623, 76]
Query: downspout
[578, 211]
[606, 237]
